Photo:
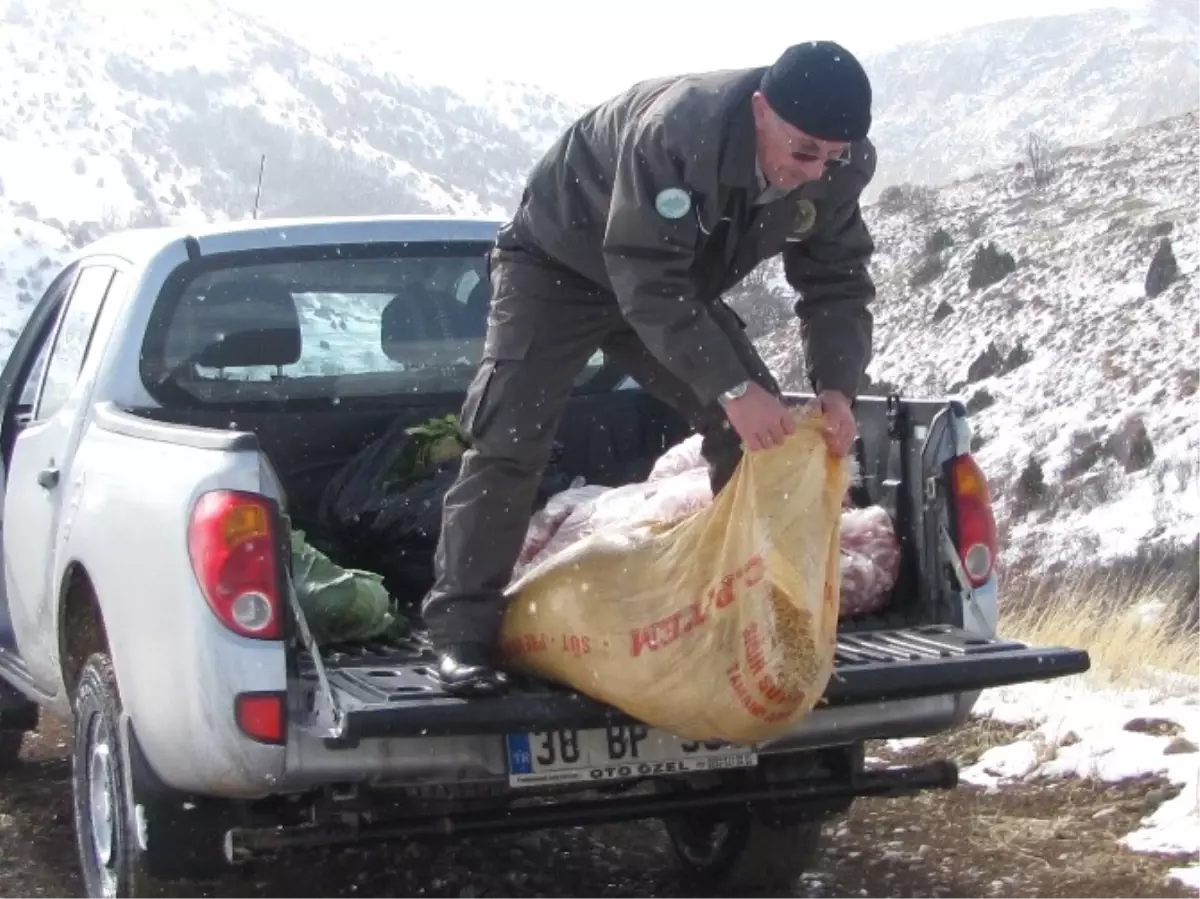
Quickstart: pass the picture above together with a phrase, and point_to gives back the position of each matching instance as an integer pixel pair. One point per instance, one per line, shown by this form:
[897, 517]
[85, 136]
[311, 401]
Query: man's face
[789, 157]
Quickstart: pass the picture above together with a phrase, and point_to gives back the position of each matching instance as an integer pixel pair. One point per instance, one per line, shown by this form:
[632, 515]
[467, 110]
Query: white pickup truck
[175, 405]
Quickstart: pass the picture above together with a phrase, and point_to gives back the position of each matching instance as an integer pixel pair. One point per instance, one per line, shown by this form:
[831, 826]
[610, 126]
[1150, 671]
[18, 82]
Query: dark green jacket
[590, 204]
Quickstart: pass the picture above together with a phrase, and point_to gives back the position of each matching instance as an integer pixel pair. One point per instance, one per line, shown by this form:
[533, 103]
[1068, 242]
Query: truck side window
[29, 391]
[71, 340]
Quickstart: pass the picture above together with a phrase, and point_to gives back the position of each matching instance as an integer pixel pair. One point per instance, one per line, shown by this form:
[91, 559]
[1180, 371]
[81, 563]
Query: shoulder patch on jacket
[673, 202]
[804, 217]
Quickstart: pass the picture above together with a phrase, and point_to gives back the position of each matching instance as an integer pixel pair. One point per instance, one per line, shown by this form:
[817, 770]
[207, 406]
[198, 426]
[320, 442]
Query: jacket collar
[739, 163]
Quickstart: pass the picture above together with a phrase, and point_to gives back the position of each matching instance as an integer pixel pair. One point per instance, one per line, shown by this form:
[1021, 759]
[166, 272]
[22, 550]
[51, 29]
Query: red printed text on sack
[684, 621]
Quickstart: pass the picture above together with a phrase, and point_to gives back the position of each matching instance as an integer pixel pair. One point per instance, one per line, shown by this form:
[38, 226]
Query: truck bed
[608, 437]
[391, 691]
[913, 648]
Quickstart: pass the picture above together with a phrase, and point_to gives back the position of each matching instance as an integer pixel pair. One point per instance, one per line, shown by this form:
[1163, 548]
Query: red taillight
[232, 543]
[261, 716]
[973, 520]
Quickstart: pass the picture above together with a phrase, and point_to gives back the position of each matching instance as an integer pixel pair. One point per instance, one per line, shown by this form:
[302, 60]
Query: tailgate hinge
[950, 552]
[327, 716]
[897, 417]
[932, 483]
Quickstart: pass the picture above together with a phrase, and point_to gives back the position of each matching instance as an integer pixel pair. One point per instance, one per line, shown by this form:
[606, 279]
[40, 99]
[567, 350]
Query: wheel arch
[81, 628]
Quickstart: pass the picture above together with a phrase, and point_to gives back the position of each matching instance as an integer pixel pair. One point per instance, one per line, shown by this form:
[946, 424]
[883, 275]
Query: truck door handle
[48, 478]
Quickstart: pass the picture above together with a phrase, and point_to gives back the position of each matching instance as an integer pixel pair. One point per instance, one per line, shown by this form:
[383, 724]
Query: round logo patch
[673, 203]
[803, 217]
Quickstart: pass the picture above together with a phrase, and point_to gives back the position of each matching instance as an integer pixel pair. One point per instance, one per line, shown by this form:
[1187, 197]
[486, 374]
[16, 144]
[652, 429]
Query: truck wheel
[10, 748]
[105, 829]
[737, 850]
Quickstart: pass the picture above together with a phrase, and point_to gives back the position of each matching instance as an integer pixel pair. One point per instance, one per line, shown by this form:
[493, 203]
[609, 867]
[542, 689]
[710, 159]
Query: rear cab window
[327, 322]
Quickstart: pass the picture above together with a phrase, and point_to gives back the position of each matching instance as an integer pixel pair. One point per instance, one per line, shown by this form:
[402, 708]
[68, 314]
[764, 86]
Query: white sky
[586, 56]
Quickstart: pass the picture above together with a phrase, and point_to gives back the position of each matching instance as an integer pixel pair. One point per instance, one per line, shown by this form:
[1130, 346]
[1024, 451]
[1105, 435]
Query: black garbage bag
[383, 511]
[401, 454]
[404, 531]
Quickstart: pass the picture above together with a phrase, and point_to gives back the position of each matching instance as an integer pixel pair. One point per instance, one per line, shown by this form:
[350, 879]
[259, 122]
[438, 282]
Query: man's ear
[760, 106]
[762, 114]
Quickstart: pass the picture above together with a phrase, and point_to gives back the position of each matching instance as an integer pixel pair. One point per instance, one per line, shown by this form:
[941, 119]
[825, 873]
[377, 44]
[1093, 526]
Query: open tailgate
[393, 691]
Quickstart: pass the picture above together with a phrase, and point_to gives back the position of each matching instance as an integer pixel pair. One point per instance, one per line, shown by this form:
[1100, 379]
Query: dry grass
[1127, 623]
[1047, 835]
[1043, 837]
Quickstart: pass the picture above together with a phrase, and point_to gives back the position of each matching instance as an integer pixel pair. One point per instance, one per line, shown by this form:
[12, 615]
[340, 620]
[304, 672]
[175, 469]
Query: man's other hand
[760, 418]
[840, 427]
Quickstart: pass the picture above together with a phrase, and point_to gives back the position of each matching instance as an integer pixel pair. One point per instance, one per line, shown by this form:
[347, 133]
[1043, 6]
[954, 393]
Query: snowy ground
[1111, 736]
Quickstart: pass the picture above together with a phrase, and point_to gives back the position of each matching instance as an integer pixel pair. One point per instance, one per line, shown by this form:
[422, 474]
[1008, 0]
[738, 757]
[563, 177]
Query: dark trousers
[545, 324]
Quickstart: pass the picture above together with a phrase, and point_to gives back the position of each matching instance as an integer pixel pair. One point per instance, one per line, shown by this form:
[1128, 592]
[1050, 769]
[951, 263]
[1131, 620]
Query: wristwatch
[734, 392]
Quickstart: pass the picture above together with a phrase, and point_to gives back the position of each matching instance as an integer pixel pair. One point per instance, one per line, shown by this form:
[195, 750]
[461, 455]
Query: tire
[10, 748]
[736, 850]
[105, 830]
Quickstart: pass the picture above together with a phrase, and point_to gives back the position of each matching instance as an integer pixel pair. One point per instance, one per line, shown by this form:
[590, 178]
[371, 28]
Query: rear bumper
[482, 760]
[244, 844]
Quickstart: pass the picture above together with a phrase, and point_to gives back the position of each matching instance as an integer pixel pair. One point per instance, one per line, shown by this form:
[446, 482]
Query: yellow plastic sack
[721, 626]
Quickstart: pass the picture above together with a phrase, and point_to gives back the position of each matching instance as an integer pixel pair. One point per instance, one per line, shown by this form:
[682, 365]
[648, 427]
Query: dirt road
[1050, 839]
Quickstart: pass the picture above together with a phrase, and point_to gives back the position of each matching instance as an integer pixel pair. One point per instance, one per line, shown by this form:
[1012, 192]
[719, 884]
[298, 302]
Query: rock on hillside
[1084, 387]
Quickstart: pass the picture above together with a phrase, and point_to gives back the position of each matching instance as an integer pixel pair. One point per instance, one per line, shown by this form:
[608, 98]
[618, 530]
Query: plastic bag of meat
[870, 560]
[633, 509]
[545, 523]
[616, 509]
[679, 497]
[683, 456]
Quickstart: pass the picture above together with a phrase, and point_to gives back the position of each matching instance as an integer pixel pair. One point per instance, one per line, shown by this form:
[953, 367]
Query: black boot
[465, 669]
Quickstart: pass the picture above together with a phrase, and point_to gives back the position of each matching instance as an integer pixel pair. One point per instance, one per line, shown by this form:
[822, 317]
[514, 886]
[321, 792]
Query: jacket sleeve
[648, 257]
[829, 271]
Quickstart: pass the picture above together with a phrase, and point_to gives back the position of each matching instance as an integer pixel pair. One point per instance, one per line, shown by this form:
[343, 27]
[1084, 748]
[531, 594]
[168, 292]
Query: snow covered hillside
[953, 106]
[147, 112]
[142, 112]
[1079, 365]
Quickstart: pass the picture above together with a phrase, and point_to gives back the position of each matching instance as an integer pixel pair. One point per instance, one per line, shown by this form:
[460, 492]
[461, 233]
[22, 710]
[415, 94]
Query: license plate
[614, 753]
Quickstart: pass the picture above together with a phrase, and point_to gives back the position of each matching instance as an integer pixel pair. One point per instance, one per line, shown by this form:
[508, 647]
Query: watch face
[734, 392]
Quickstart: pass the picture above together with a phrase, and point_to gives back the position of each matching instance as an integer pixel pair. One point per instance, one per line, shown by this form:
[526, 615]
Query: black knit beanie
[820, 88]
